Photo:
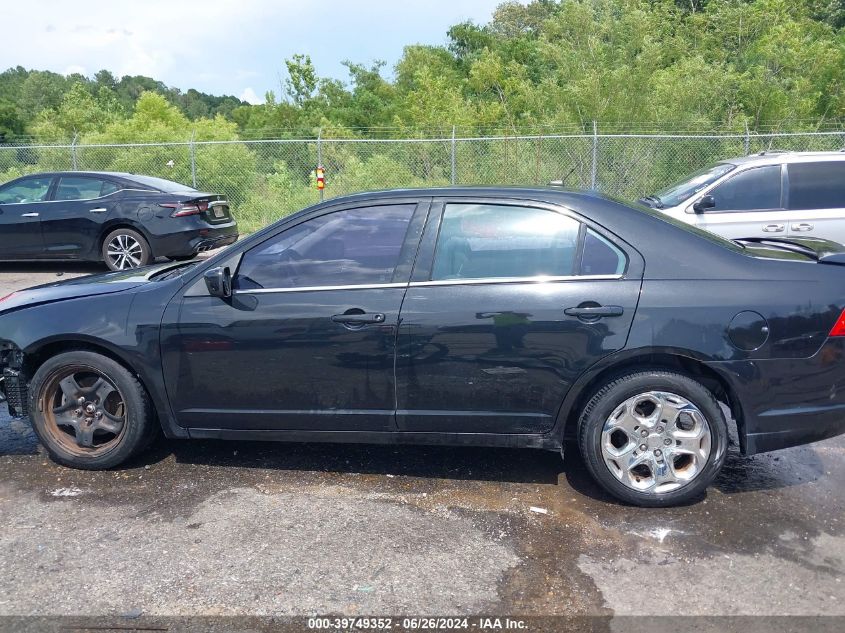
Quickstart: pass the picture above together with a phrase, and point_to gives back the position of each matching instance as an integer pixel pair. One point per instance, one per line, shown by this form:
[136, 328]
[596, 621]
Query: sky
[222, 46]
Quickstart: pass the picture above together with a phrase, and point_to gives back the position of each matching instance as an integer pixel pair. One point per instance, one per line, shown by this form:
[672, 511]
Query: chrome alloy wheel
[124, 252]
[656, 442]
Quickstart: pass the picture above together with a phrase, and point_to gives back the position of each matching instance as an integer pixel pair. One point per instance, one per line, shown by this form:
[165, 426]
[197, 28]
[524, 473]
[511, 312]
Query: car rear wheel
[125, 248]
[89, 411]
[653, 438]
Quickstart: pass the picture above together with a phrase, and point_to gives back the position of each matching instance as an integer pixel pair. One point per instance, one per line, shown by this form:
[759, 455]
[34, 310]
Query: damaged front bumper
[13, 383]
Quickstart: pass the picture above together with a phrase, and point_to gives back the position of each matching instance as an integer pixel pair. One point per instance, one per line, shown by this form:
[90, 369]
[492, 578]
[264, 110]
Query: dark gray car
[490, 316]
[124, 220]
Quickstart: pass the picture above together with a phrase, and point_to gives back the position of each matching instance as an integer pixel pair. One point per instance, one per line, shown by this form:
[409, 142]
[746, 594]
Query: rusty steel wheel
[89, 411]
[83, 409]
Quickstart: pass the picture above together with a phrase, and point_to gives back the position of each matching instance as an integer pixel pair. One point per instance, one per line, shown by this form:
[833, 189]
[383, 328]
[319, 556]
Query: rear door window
[82, 188]
[751, 190]
[484, 241]
[817, 185]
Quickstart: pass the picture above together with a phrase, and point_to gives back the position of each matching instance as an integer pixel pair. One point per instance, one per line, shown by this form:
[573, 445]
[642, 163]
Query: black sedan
[125, 220]
[500, 317]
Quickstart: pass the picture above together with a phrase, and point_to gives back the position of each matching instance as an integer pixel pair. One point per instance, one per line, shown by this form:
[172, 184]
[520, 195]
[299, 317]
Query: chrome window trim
[260, 291]
[539, 279]
[439, 282]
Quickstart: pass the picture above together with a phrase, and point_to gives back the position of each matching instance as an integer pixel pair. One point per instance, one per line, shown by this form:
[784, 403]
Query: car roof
[604, 209]
[776, 157]
[516, 192]
[114, 174]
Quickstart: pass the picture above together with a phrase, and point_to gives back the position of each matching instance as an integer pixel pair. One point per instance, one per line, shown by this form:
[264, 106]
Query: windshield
[167, 186]
[691, 185]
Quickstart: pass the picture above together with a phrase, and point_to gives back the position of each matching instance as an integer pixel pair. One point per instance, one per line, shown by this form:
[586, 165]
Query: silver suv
[772, 194]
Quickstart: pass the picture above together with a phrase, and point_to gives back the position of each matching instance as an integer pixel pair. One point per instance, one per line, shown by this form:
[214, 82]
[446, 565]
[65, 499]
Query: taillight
[838, 328]
[181, 209]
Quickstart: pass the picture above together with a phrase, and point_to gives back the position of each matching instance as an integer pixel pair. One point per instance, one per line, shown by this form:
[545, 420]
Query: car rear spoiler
[823, 251]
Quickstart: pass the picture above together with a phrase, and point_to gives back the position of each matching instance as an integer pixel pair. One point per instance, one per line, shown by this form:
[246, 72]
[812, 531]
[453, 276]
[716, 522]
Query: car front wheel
[653, 438]
[89, 411]
[125, 248]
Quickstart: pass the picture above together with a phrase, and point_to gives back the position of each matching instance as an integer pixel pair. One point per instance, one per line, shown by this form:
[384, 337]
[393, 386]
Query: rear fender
[665, 358]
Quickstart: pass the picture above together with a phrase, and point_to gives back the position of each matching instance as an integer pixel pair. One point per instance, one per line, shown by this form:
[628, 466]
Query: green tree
[78, 113]
[11, 123]
[41, 90]
[302, 79]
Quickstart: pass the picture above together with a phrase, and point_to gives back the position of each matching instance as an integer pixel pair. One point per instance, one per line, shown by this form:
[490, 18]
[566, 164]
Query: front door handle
[773, 228]
[98, 210]
[29, 215]
[594, 312]
[803, 226]
[359, 318]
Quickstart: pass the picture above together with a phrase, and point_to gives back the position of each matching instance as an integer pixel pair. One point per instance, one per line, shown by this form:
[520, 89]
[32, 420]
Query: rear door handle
[29, 215]
[98, 210]
[594, 312]
[773, 228]
[359, 319]
[803, 226]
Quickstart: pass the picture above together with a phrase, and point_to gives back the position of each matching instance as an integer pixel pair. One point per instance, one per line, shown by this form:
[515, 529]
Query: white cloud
[158, 38]
[223, 45]
[249, 96]
[74, 69]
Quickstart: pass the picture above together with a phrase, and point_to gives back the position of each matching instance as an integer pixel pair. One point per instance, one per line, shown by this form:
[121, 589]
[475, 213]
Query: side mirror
[219, 282]
[706, 202]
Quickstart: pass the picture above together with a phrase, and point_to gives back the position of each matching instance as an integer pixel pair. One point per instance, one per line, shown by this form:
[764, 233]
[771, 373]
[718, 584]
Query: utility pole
[454, 159]
[595, 155]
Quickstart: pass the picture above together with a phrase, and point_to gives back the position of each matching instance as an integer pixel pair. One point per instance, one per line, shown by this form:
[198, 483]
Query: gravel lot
[213, 528]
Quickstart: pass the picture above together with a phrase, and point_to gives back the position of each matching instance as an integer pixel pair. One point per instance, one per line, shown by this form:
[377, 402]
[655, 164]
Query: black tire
[182, 258]
[126, 399]
[608, 400]
[138, 251]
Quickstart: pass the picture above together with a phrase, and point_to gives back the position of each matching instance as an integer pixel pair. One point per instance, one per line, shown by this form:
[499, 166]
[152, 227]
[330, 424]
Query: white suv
[772, 194]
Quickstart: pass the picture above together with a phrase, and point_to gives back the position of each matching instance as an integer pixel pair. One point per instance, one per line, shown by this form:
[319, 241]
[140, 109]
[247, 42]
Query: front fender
[124, 326]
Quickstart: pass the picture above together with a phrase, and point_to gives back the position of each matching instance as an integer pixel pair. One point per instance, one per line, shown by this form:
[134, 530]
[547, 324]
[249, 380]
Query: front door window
[352, 247]
[751, 190]
[27, 190]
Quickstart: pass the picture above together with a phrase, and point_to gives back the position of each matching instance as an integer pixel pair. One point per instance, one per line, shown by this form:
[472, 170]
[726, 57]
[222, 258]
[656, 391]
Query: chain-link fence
[267, 179]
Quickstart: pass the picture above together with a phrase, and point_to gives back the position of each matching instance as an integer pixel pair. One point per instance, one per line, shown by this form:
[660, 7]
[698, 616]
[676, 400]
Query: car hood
[87, 286]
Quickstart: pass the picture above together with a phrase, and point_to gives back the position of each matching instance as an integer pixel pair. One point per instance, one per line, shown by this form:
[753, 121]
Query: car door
[816, 199]
[509, 303]
[750, 203]
[21, 204]
[307, 341]
[72, 223]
